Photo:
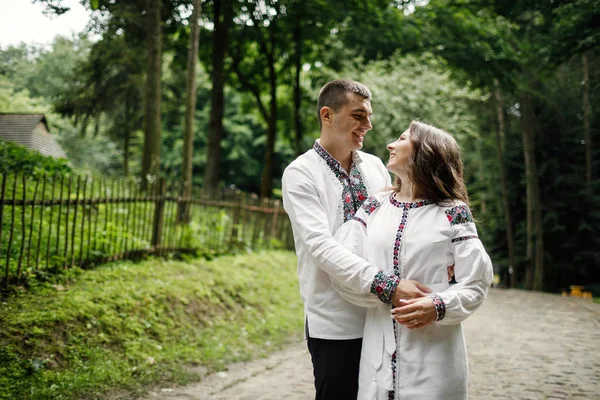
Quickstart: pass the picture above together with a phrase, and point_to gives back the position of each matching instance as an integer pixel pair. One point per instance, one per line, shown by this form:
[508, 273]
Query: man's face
[352, 121]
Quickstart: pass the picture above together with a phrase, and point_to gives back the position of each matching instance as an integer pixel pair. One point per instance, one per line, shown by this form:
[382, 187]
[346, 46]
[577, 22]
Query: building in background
[31, 131]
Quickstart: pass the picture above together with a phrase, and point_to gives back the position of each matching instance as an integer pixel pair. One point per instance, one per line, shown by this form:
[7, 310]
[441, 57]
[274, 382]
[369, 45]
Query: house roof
[20, 123]
[23, 130]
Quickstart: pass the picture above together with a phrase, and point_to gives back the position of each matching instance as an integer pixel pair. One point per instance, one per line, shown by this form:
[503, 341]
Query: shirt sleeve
[306, 212]
[353, 236]
[472, 268]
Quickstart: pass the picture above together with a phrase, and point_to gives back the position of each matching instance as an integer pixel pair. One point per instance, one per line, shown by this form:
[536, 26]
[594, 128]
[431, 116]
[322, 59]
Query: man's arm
[303, 205]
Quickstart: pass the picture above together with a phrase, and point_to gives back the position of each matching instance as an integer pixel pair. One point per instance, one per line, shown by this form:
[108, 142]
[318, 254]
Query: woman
[421, 229]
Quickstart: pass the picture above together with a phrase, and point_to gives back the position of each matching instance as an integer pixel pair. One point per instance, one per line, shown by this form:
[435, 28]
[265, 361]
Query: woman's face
[400, 153]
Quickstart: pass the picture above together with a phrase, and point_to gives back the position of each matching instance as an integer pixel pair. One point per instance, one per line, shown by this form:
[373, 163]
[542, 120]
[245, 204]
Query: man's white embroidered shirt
[318, 198]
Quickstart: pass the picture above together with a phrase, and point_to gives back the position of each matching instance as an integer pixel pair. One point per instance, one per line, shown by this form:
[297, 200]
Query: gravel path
[521, 345]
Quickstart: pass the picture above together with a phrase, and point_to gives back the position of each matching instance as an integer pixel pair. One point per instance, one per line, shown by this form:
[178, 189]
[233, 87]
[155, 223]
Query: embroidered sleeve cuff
[440, 306]
[384, 286]
[463, 238]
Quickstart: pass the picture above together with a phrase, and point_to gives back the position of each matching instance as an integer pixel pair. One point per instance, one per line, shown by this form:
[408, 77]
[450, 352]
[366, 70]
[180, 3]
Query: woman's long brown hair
[435, 167]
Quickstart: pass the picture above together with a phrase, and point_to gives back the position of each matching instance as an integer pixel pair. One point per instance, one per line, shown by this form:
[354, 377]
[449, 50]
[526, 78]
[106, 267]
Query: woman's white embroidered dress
[417, 241]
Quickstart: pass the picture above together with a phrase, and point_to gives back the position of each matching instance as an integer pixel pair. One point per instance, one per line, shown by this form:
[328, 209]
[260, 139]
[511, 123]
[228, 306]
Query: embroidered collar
[404, 204]
[354, 191]
[356, 159]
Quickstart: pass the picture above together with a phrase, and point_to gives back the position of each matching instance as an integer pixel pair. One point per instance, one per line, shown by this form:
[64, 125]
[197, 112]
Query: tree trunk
[500, 133]
[126, 139]
[297, 88]
[151, 156]
[535, 241]
[587, 116]
[481, 176]
[215, 128]
[126, 153]
[267, 176]
[190, 109]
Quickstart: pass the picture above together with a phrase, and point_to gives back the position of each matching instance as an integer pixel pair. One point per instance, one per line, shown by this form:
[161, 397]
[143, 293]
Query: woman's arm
[473, 273]
[473, 270]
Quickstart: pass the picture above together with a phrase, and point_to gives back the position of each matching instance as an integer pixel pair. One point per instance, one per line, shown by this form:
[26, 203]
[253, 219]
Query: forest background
[515, 82]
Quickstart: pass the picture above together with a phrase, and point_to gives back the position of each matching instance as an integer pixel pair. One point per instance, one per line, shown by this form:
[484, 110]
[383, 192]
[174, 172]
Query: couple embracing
[387, 271]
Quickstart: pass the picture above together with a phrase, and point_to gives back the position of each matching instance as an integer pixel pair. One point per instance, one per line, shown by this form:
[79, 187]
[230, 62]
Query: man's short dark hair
[334, 94]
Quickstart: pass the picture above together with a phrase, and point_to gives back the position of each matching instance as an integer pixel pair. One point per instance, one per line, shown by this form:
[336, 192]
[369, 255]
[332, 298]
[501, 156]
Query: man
[322, 189]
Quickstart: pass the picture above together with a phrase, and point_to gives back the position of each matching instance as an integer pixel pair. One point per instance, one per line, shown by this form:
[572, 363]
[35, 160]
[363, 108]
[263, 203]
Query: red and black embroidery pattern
[402, 226]
[440, 306]
[384, 286]
[371, 204]
[354, 191]
[460, 239]
[362, 221]
[402, 204]
[392, 393]
[459, 215]
[396, 260]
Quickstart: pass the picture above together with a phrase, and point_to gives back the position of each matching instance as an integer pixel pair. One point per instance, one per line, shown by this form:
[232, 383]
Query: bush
[15, 158]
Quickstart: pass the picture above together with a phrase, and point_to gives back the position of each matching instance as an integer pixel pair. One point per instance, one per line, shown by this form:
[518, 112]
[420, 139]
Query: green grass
[125, 326]
[596, 299]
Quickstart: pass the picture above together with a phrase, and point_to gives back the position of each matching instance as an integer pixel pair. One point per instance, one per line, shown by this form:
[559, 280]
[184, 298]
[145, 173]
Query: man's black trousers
[335, 367]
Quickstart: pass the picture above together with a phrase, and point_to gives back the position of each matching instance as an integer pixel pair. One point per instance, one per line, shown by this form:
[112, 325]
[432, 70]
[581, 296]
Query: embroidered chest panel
[405, 207]
[354, 191]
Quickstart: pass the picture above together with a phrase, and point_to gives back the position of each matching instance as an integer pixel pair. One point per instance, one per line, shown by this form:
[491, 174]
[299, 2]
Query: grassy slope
[124, 326]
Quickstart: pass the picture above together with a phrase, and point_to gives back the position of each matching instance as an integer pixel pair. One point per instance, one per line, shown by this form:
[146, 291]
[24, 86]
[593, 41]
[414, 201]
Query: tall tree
[152, 114]
[489, 62]
[190, 107]
[222, 19]
[128, 25]
[310, 25]
[270, 39]
[508, 223]
[576, 33]
[587, 117]
[534, 277]
[250, 59]
[298, 44]
[109, 86]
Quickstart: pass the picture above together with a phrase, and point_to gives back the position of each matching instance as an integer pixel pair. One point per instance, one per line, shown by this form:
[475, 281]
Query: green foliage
[15, 158]
[31, 81]
[570, 205]
[374, 29]
[109, 90]
[44, 73]
[474, 40]
[576, 27]
[89, 154]
[12, 100]
[125, 326]
[407, 88]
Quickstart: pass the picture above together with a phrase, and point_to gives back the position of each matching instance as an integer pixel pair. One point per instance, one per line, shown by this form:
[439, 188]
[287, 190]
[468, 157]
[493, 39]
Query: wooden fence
[53, 223]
